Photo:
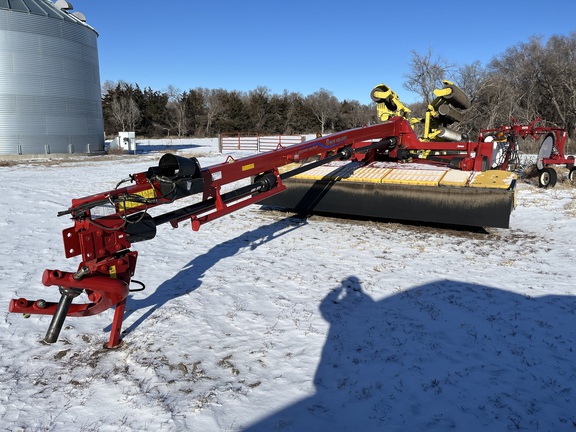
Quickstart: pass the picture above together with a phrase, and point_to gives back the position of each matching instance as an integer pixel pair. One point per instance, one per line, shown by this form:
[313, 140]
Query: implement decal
[112, 271]
[146, 193]
[247, 167]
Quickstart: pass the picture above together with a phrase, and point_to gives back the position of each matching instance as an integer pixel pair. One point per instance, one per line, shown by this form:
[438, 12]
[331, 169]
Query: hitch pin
[67, 295]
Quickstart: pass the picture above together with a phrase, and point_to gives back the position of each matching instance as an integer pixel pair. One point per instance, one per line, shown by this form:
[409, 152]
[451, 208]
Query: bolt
[83, 271]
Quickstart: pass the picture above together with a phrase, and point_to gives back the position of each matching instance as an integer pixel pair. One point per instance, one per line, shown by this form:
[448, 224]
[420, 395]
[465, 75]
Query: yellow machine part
[401, 175]
[494, 179]
[456, 178]
[443, 110]
[417, 177]
[414, 192]
[368, 175]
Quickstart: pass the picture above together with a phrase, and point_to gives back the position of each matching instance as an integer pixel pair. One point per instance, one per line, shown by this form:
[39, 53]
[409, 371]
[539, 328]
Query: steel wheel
[572, 174]
[547, 177]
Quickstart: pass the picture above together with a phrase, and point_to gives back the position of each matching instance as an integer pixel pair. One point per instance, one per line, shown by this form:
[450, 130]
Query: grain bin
[50, 100]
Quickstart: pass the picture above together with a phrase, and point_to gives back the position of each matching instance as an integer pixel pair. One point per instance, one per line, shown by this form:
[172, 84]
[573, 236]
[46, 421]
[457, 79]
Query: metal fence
[256, 143]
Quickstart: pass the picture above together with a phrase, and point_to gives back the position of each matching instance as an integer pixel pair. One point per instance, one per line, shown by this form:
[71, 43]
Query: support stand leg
[67, 295]
[116, 330]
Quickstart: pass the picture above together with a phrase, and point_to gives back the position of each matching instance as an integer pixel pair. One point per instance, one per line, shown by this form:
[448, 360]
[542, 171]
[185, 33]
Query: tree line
[203, 112]
[533, 79]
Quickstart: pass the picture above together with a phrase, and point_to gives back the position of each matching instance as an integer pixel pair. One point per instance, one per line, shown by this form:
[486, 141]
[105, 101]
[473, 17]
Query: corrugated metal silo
[50, 99]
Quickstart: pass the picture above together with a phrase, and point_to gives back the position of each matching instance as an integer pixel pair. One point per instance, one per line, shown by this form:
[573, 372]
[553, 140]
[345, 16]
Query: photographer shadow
[443, 356]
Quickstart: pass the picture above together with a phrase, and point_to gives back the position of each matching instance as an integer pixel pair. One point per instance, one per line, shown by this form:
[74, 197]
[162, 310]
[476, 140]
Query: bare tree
[472, 80]
[213, 98]
[176, 110]
[325, 107]
[543, 77]
[426, 74]
[125, 112]
[110, 86]
[352, 114]
[557, 79]
[494, 102]
[516, 73]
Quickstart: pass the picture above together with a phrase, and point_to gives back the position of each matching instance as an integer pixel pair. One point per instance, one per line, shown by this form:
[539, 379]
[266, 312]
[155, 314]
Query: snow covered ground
[264, 321]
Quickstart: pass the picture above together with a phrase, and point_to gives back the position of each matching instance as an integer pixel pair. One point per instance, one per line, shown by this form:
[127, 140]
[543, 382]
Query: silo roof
[39, 7]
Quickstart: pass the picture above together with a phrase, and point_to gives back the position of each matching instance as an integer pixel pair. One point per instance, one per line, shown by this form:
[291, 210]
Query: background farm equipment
[551, 151]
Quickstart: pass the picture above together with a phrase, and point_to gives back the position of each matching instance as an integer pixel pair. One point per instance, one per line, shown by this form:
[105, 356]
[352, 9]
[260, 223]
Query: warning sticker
[146, 193]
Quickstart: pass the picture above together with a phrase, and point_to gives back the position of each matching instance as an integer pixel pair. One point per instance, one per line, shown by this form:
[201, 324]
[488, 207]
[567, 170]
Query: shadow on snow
[157, 148]
[189, 279]
[446, 355]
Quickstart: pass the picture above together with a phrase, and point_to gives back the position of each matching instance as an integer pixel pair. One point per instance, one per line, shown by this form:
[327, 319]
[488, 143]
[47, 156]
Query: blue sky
[346, 47]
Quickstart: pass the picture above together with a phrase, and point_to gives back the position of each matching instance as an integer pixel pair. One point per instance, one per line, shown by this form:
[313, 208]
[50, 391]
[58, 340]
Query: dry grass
[531, 171]
[570, 208]
[196, 155]
[115, 154]
[115, 151]
[530, 175]
[59, 161]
